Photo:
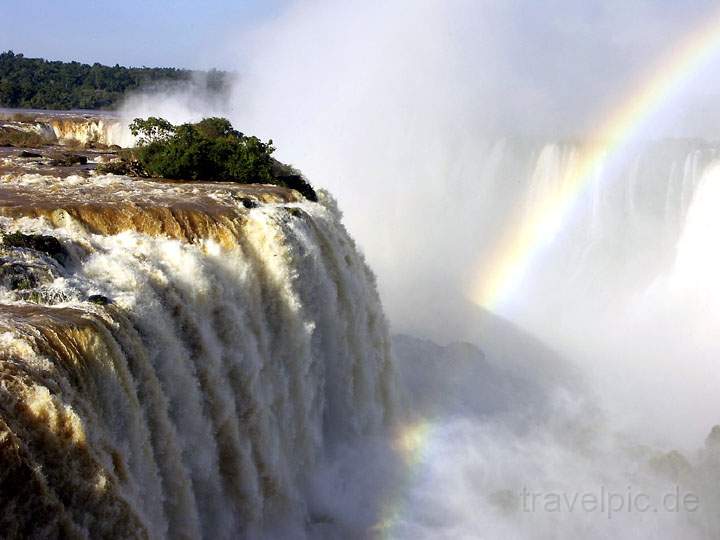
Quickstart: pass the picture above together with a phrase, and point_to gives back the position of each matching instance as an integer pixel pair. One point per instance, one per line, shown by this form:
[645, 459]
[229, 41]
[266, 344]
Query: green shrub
[208, 150]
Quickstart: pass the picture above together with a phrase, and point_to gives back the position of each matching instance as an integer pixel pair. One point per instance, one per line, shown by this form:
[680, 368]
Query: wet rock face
[29, 263]
[298, 183]
[16, 276]
[20, 135]
[99, 300]
[713, 440]
[66, 160]
[115, 167]
[38, 242]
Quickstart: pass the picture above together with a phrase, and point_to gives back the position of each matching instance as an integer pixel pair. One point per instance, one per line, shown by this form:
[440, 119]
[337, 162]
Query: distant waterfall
[698, 263]
[71, 128]
[196, 403]
[620, 234]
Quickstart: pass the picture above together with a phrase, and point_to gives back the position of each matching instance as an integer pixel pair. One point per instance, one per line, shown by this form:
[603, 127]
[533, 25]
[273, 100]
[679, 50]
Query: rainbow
[517, 252]
[411, 443]
[414, 441]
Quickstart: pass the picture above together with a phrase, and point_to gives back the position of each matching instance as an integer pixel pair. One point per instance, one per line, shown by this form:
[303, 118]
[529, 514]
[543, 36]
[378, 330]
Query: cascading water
[237, 335]
[69, 128]
[84, 131]
[201, 360]
[626, 291]
[620, 234]
[697, 263]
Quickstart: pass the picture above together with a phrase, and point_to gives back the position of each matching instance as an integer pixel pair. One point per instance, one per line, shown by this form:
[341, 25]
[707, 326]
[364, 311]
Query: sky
[543, 63]
[176, 33]
[188, 33]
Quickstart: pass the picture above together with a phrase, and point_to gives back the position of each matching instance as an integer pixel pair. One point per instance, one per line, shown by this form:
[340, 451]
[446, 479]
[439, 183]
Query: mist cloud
[438, 125]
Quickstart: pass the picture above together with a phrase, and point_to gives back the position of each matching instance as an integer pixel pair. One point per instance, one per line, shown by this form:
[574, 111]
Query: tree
[208, 150]
[152, 130]
[38, 83]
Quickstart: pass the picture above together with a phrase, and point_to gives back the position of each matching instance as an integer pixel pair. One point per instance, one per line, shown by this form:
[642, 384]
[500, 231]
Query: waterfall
[71, 128]
[697, 264]
[627, 293]
[187, 358]
[84, 131]
[230, 342]
[620, 233]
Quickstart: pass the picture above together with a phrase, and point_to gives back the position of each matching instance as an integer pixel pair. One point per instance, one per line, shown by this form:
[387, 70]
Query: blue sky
[183, 33]
[544, 62]
[204, 34]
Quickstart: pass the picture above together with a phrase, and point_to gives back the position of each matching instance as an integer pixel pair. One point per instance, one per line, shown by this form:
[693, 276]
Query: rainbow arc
[520, 249]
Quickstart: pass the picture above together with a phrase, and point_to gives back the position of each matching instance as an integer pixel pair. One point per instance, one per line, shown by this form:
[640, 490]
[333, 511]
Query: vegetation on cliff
[207, 150]
[210, 149]
[41, 84]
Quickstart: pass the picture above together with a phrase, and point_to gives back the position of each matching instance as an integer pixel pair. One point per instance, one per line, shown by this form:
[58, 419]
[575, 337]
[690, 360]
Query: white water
[107, 131]
[69, 128]
[210, 390]
[396, 106]
[245, 389]
[627, 292]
